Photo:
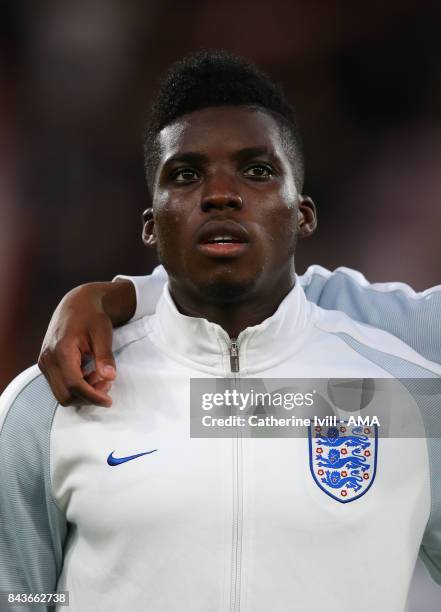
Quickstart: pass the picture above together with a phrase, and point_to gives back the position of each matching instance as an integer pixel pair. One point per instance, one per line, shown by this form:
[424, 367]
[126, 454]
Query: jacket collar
[206, 346]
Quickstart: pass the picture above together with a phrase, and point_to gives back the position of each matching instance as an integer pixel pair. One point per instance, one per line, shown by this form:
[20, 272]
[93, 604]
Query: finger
[99, 383]
[69, 374]
[101, 344]
[83, 393]
[55, 380]
[78, 393]
[93, 378]
[103, 386]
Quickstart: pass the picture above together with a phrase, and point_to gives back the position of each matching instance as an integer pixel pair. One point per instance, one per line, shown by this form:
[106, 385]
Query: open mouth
[223, 239]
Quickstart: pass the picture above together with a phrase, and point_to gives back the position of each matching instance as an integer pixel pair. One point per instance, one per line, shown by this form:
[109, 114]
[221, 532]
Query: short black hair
[218, 78]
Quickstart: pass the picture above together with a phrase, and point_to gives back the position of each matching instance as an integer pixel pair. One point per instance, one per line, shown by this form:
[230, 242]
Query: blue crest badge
[343, 459]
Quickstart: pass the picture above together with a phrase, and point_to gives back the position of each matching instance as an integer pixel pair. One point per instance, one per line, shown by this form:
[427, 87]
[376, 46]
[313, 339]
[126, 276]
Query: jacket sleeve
[32, 528]
[394, 307]
[430, 551]
[148, 290]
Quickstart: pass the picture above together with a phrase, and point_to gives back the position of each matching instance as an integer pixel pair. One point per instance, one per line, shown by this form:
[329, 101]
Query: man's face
[226, 211]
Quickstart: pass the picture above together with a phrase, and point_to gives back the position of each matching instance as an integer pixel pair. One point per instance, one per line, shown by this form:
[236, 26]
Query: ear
[307, 217]
[148, 228]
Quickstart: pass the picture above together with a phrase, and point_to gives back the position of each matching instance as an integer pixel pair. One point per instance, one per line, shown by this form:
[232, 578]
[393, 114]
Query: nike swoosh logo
[111, 460]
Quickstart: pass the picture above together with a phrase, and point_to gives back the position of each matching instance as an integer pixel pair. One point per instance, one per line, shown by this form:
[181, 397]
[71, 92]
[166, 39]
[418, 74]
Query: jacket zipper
[234, 356]
[236, 557]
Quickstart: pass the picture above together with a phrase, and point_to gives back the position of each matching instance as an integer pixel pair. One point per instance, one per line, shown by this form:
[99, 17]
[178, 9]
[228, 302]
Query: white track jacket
[212, 525]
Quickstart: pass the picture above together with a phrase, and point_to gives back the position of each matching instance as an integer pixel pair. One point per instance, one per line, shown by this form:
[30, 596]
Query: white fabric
[233, 525]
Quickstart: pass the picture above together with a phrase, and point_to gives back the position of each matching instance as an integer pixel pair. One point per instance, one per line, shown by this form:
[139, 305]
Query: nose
[219, 194]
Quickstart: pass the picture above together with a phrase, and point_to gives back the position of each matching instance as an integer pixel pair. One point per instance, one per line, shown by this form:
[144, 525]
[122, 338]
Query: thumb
[101, 344]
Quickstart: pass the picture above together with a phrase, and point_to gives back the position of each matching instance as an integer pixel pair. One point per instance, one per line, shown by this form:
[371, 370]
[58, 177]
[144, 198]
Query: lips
[222, 239]
[222, 231]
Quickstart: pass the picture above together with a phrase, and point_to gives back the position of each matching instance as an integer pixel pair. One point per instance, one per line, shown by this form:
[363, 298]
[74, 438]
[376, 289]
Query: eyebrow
[248, 152]
[190, 157]
[186, 158]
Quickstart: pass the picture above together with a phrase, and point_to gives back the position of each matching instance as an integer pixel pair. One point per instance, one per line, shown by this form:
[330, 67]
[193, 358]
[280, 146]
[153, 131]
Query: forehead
[220, 130]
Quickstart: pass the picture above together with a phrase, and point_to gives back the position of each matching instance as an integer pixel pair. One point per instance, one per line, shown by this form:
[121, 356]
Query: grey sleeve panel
[32, 528]
[426, 386]
[430, 551]
[415, 319]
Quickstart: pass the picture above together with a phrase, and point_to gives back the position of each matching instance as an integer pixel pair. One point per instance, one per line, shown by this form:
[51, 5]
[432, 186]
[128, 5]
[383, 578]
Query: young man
[122, 507]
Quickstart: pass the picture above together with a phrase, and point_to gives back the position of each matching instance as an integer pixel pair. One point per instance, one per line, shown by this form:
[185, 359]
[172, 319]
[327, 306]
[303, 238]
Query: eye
[259, 171]
[185, 175]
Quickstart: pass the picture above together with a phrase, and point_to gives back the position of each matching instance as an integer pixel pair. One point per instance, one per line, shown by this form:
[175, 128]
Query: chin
[226, 291]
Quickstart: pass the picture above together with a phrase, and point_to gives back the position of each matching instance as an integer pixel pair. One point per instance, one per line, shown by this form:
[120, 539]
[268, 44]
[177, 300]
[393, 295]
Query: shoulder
[132, 332]
[28, 400]
[27, 410]
[395, 307]
[378, 346]
[348, 290]
[320, 277]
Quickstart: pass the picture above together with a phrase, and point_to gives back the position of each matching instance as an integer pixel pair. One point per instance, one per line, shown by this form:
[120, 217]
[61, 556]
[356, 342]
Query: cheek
[279, 230]
[289, 194]
[280, 215]
[167, 218]
[173, 221]
[284, 234]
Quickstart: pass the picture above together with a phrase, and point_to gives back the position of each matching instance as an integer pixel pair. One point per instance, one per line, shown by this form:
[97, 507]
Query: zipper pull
[234, 355]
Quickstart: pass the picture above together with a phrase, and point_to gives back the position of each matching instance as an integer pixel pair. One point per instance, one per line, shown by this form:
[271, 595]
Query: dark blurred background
[75, 82]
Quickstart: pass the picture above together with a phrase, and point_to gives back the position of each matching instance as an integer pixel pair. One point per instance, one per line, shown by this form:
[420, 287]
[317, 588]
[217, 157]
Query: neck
[234, 316]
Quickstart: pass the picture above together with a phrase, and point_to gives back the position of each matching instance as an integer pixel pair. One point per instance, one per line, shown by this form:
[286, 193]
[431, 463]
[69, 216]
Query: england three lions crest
[343, 459]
